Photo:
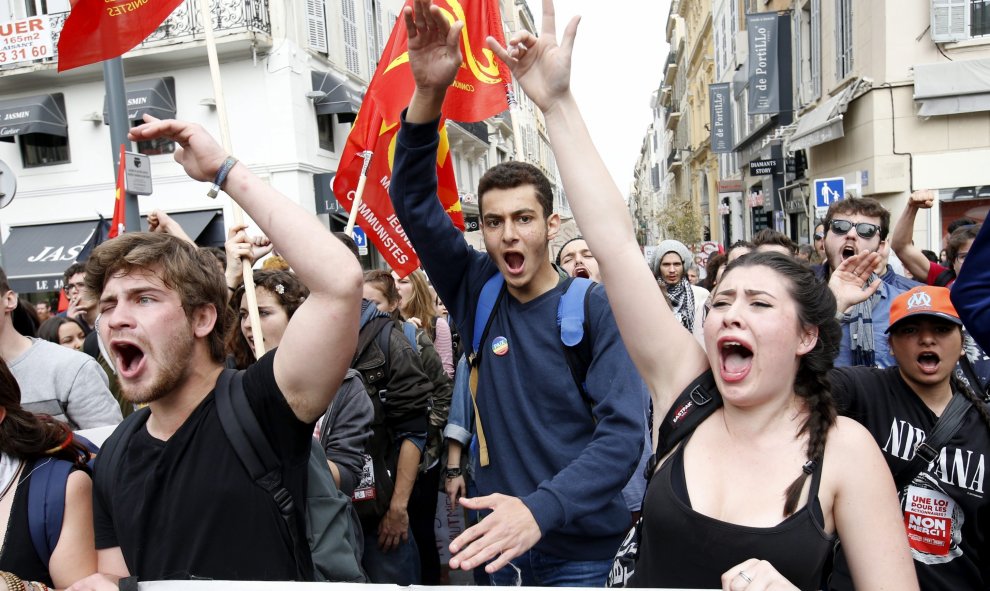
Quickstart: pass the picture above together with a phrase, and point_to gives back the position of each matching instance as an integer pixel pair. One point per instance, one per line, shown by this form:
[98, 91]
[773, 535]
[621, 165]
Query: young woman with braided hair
[28, 443]
[715, 513]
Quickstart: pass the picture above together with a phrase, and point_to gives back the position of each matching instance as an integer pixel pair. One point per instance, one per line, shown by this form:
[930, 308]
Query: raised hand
[198, 153]
[240, 246]
[542, 67]
[923, 199]
[434, 46]
[848, 281]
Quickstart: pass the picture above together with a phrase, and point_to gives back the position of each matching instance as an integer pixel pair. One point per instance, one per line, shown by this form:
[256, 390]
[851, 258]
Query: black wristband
[450, 473]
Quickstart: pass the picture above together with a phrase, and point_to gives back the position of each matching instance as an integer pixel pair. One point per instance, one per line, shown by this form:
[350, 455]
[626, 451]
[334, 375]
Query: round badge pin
[500, 346]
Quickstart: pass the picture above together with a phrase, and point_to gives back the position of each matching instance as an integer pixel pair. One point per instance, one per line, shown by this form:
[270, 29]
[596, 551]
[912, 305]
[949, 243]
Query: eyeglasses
[819, 236]
[864, 229]
[71, 287]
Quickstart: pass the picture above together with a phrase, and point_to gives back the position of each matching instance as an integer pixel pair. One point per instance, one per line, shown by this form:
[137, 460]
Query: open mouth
[929, 362]
[129, 358]
[582, 272]
[737, 360]
[848, 251]
[514, 262]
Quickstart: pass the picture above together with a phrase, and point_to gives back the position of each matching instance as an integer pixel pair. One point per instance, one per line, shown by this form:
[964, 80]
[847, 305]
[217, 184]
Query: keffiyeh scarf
[681, 298]
[861, 329]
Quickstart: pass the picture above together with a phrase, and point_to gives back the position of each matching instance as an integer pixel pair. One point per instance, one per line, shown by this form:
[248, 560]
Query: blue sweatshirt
[543, 444]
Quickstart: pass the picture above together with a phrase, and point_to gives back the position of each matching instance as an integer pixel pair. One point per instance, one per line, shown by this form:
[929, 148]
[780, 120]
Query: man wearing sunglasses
[853, 226]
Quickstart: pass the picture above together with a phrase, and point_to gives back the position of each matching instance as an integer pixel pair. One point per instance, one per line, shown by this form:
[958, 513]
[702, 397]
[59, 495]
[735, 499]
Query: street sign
[360, 239]
[137, 173]
[8, 184]
[828, 191]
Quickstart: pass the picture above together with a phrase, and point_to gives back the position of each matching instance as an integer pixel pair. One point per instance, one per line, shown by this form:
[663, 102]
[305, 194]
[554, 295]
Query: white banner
[25, 40]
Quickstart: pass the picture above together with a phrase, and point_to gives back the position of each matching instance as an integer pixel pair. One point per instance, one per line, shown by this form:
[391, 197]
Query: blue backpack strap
[46, 504]
[572, 319]
[409, 329]
[487, 301]
[368, 315]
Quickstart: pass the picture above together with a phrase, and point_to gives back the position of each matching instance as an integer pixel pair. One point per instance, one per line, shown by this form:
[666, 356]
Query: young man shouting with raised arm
[554, 459]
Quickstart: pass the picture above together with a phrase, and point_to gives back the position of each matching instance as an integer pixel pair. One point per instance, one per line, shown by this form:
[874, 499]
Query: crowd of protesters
[831, 366]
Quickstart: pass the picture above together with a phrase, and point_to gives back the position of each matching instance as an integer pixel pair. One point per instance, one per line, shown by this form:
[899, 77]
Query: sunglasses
[819, 236]
[864, 229]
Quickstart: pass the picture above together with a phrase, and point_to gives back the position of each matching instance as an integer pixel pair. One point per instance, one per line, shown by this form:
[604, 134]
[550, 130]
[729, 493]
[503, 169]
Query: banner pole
[359, 192]
[238, 213]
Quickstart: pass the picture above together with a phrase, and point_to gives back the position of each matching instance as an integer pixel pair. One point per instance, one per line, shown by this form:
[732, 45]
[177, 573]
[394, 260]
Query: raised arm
[666, 355]
[901, 239]
[328, 319]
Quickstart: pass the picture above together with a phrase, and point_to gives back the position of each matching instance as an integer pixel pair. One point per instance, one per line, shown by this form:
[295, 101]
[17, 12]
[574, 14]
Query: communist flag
[480, 89]
[98, 30]
[120, 199]
[375, 214]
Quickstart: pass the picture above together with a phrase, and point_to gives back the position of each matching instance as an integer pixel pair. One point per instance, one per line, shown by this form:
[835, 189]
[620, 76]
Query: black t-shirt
[946, 511]
[186, 507]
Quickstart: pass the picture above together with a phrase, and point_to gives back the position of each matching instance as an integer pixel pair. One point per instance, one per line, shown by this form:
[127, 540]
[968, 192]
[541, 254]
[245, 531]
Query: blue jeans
[398, 567]
[538, 569]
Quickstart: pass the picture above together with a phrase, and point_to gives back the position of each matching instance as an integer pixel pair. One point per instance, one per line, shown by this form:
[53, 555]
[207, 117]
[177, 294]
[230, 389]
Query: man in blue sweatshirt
[556, 463]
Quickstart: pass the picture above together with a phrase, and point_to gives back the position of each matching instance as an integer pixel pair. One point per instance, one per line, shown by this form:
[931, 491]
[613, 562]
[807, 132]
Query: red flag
[480, 89]
[478, 92]
[117, 223]
[98, 30]
[375, 215]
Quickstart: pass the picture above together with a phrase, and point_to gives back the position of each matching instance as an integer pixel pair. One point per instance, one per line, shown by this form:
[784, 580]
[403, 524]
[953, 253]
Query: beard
[178, 353]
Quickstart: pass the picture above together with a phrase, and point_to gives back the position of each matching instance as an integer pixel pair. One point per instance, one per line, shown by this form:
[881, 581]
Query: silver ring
[745, 577]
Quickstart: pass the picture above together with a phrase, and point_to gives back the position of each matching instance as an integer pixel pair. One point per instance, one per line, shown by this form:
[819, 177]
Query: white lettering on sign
[15, 115]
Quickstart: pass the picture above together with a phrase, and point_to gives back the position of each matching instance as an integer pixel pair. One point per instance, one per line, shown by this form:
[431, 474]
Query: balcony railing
[184, 24]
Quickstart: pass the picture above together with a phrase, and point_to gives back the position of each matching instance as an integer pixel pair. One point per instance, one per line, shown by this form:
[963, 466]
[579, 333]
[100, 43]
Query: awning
[155, 97]
[43, 113]
[34, 257]
[341, 96]
[949, 88]
[824, 122]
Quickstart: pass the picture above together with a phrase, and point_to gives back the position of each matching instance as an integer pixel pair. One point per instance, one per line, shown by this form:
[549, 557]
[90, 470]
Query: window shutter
[370, 26]
[950, 20]
[316, 25]
[352, 57]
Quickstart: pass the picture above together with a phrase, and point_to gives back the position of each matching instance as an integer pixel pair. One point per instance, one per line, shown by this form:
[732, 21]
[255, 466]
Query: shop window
[324, 129]
[43, 149]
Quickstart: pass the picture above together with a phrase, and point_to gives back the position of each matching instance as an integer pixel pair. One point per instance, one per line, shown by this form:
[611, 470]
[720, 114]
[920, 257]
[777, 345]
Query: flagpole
[238, 213]
[359, 192]
[514, 118]
[113, 80]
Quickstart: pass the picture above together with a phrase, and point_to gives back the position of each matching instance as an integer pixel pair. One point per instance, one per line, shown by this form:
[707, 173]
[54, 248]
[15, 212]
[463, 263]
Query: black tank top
[683, 548]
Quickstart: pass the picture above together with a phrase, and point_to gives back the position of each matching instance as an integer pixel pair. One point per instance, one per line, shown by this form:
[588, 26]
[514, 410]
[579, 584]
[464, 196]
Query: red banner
[118, 223]
[98, 30]
[375, 214]
[478, 92]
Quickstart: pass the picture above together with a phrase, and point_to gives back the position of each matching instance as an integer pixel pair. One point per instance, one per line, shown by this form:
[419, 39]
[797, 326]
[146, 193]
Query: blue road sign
[828, 191]
[360, 238]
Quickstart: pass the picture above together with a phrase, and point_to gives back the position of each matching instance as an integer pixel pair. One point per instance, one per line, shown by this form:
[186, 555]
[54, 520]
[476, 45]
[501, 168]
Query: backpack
[571, 312]
[330, 538]
[46, 504]
[46, 500]
[571, 318]
[944, 278]
[373, 494]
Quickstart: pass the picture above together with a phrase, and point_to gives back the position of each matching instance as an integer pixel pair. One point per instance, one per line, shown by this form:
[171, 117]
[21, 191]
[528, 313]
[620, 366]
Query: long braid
[811, 384]
[979, 403]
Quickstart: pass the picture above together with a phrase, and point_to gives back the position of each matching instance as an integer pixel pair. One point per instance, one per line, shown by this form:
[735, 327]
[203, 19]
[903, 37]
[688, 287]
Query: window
[958, 20]
[843, 39]
[808, 34]
[316, 25]
[19, 9]
[43, 149]
[324, 130]
[352, 58]
[373, 29]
